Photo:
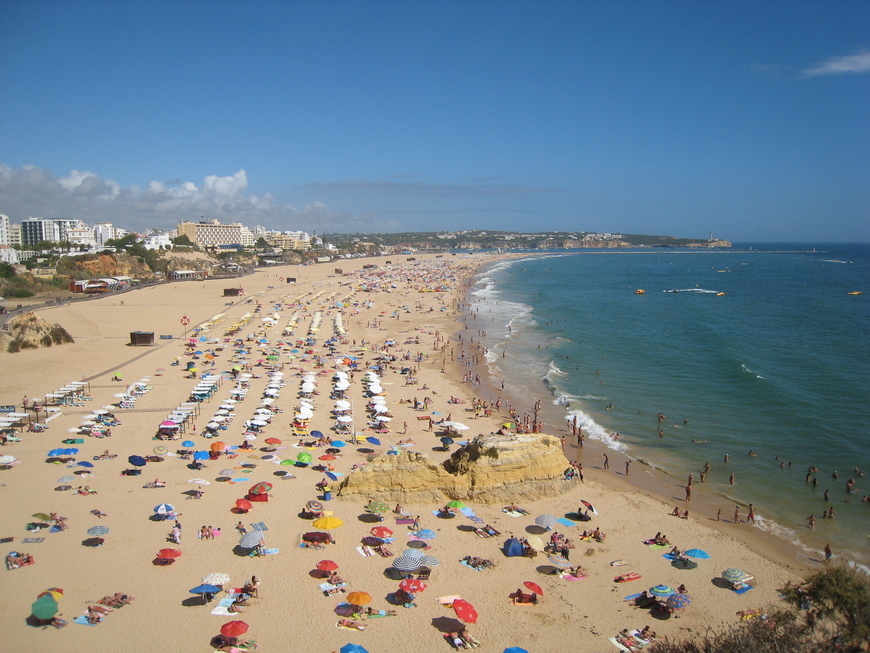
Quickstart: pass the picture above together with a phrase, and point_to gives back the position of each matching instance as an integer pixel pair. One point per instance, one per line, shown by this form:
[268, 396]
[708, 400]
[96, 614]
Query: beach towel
[363, 552]
[743, 590]
[271, 551]
[55, 529]
[261, 526]
[565, 522]
[223, 610]
[512, 513]
[6, 540]
[83, 620]
[467, 564]
[625, 578]
[448, 600]
[656, 546]
[238, 480]
[572, 577]
[404, 520]
[632, 597]
[33, 540]
[619, 563]
[668, 556]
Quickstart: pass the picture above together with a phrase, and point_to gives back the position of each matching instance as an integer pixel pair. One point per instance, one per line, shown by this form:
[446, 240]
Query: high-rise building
[215, 234]
[5, 226]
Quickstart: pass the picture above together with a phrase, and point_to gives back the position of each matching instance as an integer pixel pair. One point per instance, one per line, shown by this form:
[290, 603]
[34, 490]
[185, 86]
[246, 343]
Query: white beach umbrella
[383, 418]
[380, 408]
[377, 400]
[342, 404]
[344, 419]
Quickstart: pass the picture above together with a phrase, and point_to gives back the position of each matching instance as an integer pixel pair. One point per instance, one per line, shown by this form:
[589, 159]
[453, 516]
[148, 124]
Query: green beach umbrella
[456, 504]
[377, 507]
[45, 607]
[304, 457]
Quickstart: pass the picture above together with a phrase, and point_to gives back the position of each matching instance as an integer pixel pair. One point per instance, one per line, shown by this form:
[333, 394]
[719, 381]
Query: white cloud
[854, 63]
[30, 191]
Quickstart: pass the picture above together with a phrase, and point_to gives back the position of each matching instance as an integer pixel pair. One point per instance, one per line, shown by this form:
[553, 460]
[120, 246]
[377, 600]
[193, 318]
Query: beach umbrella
[377, 507]
[243, 504]
[534, 587]
[383, 418]
[304, 457]
[160, 450]
[326, 457]
[679, 601]
[53, 592]
[446, 440]
[344, 419]
[72, 451]
[327, 565]
[216, 579]
[412, 585]
[352, 648]
[734, 575]
[42, 516]
[559, 561]
[188, 443]
[359, 598]
[589, 506]
[547, 521]
[168, 554]
[456, 504]
[515, 649]
[331, 476]
[205, 588]
[287, 461]
[430, 561]
[459, 426]
[314, 506]
[198, 481]
[98, 530]
[251, 539]
[138, 461]
[63, 488]
[273, 441]
[381, 531]
[45, 607]
[55, 452]
[413, 553]
[661, 590]
[406, 563]
[338, 443]
[327, 523]
[85, 463]
[260, 488]
[465, 611]
[373, 440]
[371, 540]
[218, 446]
[227, 472]
[697, 553]
[164, 509]
[426, 534]
[67, 479]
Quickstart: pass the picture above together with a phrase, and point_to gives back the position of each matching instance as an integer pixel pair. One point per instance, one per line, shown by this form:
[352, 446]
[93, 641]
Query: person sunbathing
[347, 623]
[647, 635]
[237, 606]
[93, 617]
[371, 612]
[334, 578]
[457, 641]
[522, 597]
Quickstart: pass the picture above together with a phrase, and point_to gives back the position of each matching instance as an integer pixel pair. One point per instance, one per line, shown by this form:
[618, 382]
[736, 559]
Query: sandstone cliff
[491, 469]
[27, 331]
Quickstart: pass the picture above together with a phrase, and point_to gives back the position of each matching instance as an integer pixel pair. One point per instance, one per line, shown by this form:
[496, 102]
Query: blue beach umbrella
[661, 590]
[55, 452]
[138, 461]
[98, 530]
[372, 440]
[85, 463]
[697, 553]
[188, 443]
[426, 534]
[352, 648]
[164, 508]
[316, 434]
[515, 649]
[331, 476]
[70, 452]
[205, 589]
[200, 455]
[338, 443]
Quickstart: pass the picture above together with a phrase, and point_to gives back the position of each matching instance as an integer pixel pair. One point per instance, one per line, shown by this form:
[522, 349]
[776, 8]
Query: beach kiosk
[141, 338]
[234, 292]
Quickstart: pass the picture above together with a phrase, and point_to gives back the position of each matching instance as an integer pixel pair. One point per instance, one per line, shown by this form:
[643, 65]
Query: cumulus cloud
[854, 63]
[31, 191]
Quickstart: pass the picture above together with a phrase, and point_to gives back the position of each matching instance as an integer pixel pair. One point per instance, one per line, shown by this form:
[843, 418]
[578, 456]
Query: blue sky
[751, 119]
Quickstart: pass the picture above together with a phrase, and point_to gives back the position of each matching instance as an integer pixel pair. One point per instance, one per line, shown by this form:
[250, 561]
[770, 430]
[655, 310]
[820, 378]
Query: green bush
[19, 292]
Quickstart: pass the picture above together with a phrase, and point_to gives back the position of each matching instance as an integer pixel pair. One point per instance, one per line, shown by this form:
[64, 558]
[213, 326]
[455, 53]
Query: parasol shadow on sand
[534, 529]
[368, 518]
[447, 624]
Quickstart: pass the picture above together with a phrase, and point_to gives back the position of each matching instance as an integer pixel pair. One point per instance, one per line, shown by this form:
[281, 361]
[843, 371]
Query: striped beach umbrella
[661, 590]
[679, 601]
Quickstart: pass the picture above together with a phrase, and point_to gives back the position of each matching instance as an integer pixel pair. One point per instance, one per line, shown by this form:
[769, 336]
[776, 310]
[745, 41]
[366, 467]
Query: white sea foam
[697, 290]
[748, 371]
[591, 429]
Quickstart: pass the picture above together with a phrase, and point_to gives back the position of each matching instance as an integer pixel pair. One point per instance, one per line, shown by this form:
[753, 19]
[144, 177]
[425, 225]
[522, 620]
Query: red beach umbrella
[234, 628]
[465, 611]
[272, 441]
[168, 554]
[412, 585]
[382, 532]
[243, 504]
[327, 457]
[327, 565]
[260, 488]
[218, 446]
[534, 587]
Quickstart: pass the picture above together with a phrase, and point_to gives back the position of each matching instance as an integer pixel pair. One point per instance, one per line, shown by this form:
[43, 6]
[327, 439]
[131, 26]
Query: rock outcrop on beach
[491, 469]
[95, 266]
[27, 331]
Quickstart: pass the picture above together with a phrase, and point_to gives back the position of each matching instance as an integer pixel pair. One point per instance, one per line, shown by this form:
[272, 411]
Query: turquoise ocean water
[779, 364]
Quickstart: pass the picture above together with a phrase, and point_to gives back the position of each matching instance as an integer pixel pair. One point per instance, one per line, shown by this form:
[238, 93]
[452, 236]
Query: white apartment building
[104, 231]
[215, 234]
[8, 255]
[5, 226]
[157, 240]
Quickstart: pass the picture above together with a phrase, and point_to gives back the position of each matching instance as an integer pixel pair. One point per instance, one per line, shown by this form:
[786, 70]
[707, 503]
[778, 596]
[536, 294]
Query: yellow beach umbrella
[327, 523]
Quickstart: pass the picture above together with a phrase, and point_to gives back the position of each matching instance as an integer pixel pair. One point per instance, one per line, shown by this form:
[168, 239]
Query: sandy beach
[412, 304]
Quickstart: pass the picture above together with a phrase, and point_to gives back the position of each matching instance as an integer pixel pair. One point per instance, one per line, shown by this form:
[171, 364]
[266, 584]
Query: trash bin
[327, 496]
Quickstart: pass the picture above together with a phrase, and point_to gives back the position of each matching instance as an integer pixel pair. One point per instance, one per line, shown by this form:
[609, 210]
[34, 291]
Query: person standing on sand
[719, 514]
[736, 514]
[828, 553]
[606, 462]
[689, 493]
[627, 465]
[750, 518]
